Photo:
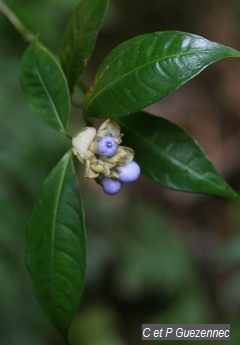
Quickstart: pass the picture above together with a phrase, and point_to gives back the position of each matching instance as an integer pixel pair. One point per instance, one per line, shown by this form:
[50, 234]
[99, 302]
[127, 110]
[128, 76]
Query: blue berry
[107, 146]
[111, 186]
[129, 172]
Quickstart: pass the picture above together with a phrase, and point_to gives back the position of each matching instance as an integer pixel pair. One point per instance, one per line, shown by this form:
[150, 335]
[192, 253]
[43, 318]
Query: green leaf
[45, 86]
[80, 37]
[56, 246]
[147, 68]
[171, 157]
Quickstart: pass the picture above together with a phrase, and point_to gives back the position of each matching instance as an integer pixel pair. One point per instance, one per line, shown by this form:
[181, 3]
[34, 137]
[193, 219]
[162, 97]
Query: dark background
[154, 256]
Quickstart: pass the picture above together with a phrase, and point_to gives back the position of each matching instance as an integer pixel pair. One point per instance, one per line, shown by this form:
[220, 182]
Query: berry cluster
[127, 173]
[105, 160]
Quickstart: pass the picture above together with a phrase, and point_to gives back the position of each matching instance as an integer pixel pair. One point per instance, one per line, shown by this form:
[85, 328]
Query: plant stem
[77, 105]
[14, 20]
[82, 85]
[67, 135]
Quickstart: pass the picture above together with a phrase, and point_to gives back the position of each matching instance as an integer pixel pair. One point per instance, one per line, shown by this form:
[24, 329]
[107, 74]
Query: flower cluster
[104, 158]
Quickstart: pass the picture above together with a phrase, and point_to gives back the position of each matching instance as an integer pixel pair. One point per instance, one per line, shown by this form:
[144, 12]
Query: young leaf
[45, 86]
[80, 36]
[171, 157]
[147, 68]
[56, 246]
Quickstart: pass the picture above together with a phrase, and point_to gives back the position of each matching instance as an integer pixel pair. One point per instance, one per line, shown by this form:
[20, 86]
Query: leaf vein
[123, 76]
[172, 160]
[38, 73]
[54, 222]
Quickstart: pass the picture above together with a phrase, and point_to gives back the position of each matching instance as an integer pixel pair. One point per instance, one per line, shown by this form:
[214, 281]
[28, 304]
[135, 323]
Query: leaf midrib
[176, 162]
[143, 66]
[38, 73]
[54, 222]
[77, 43]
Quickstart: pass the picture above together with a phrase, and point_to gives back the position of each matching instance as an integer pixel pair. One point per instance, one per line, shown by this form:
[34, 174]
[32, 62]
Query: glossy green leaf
[171, 157]
[147, 68]
[56, 246]
[45, 86]
[80, 37]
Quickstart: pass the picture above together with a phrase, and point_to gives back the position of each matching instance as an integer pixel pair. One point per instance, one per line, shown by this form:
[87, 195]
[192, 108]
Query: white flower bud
[81, 143]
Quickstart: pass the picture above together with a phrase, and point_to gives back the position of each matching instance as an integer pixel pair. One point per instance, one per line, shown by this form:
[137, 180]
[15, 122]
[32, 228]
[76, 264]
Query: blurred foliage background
[154, 256]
